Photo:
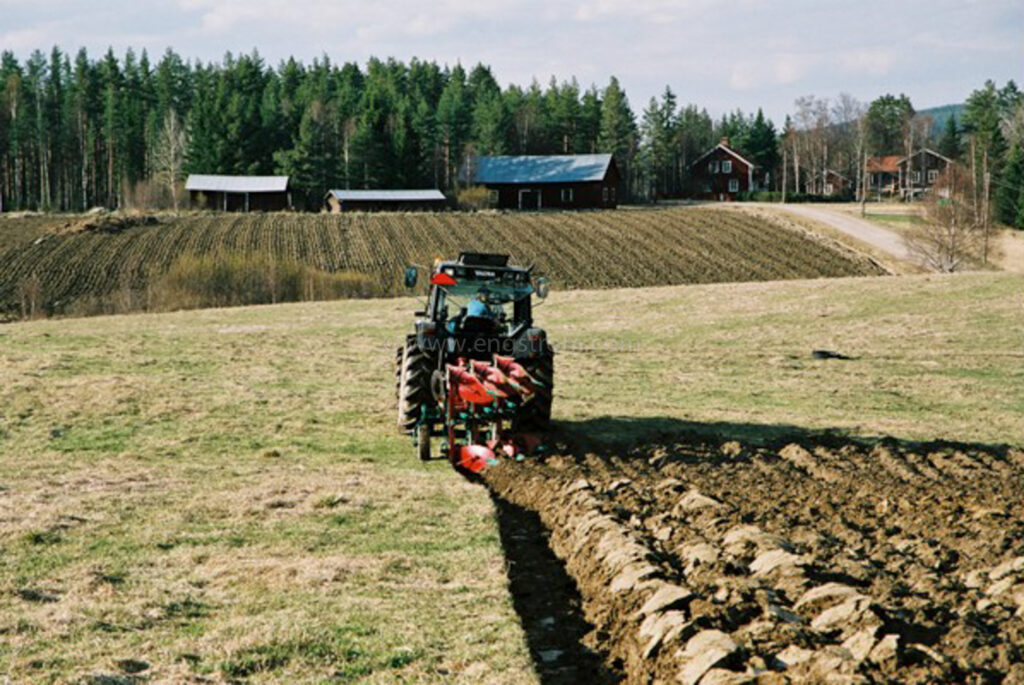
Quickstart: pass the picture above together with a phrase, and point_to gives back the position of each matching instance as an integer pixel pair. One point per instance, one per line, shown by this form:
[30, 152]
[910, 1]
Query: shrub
[776, 196]
[474, 198]
[234, 279]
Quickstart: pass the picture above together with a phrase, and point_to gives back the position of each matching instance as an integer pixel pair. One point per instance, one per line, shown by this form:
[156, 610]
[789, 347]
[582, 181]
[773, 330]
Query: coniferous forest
[78, 131]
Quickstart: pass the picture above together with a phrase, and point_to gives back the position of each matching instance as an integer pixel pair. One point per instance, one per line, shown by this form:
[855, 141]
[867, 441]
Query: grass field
[221, 493]
[633, 247]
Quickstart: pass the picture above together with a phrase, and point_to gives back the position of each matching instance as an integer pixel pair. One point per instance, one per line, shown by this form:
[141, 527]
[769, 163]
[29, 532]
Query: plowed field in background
[624, 248]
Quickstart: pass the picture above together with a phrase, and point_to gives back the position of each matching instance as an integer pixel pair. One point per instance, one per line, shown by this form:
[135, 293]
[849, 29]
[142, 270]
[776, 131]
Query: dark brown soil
[698, 560]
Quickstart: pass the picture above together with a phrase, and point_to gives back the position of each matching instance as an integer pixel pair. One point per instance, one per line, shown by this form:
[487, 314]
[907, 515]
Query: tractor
[475, 371]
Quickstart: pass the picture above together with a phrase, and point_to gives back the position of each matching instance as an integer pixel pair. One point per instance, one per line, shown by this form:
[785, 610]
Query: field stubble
[634, 248]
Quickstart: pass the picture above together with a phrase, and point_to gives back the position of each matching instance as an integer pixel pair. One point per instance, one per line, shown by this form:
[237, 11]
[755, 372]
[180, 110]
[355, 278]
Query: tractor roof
[483, 261]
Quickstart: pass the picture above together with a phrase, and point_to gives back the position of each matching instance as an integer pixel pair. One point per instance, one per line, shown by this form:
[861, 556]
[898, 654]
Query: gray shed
[384, 200]
[239, 193]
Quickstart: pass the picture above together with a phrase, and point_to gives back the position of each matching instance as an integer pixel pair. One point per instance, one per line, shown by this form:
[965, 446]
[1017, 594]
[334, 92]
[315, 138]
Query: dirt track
[718, 563]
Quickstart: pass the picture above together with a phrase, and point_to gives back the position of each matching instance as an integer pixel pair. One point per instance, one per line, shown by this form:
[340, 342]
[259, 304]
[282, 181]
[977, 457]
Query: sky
[718, 54]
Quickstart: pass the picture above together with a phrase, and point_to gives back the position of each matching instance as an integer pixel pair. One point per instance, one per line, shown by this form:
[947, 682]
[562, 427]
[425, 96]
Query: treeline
[77, 132]
[840, 135]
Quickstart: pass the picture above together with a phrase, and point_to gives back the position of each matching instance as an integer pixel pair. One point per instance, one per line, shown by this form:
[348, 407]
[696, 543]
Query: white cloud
[872, 61]
[744, 76]
[790, 68]
[24, 40]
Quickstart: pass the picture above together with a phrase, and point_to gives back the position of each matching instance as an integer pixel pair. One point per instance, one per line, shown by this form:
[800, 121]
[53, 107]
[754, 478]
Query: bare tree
[848, 114]
[169, 155]
[951, 232]
[1013, 126]
[30, 293]
[803, 123]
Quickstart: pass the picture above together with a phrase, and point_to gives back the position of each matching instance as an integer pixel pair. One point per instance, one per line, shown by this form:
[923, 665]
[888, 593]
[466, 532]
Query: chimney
[724, 141]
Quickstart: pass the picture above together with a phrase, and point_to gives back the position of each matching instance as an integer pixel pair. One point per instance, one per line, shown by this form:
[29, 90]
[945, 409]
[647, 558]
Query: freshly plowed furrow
[884, 562]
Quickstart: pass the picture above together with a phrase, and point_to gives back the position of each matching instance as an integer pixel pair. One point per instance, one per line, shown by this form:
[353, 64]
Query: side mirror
[411, 276]
[542, 287]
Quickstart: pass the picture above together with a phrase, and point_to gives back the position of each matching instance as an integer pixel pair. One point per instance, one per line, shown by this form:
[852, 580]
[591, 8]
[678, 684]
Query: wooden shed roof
[428, 195]
[236, 184]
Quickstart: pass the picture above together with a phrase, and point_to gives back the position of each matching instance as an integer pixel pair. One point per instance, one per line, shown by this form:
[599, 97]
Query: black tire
[536, 414]
[412, 376]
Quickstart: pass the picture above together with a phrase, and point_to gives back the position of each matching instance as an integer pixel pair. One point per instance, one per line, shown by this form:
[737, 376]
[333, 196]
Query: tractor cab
[478, 306]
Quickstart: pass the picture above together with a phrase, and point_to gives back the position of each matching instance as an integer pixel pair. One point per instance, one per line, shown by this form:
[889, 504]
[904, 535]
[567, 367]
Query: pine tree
[760, 143]
[453, 123]
[490, 124]
[313, 163]
[949, 143]
[618, 130]
[1010, 196]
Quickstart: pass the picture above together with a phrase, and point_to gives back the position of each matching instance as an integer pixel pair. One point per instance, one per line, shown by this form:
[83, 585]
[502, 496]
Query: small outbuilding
[239, 193]
[835, 184]
[337, 201]
[546, 181]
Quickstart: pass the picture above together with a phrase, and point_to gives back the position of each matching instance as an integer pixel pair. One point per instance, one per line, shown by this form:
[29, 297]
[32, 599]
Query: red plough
[479, 402]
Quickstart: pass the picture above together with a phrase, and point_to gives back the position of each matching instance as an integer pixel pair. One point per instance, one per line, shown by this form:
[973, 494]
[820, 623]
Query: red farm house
[722, 174]
[533, 182]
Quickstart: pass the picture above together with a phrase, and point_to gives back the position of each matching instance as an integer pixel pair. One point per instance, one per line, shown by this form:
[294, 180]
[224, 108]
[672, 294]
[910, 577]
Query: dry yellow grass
[220, 494]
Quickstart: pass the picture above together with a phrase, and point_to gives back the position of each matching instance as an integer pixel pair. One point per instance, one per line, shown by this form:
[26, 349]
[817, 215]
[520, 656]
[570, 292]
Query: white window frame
[933, 175]
[829, 188]
[727, 166]
[915, 176]
[734, 185]
[713, 166]
[522, 191]
[567, 195]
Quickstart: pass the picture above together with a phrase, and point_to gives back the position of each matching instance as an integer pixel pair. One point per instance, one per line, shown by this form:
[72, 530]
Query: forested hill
[77, 131]
[939, 115]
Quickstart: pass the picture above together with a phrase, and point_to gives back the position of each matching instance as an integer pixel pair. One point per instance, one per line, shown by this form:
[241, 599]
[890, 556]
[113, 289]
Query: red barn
[721, 174]
[546, 181]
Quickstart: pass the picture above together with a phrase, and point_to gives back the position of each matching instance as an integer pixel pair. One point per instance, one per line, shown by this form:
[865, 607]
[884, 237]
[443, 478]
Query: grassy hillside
[221, 493]
[576, 250]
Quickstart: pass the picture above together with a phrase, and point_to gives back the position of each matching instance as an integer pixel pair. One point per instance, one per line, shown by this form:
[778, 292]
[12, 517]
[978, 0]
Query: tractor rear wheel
[412, 381]
[536, 414]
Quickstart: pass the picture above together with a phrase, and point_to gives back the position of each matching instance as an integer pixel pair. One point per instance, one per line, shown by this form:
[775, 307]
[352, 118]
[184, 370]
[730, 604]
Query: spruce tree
[949, 143]
[1010, 196]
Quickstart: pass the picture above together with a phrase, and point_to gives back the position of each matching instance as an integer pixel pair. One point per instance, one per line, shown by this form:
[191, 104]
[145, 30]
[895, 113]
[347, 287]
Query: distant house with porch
[892, 175]
[883, 175]
[919, 173]
[546, 181]
[722, 174]
[337, 201]
[239, 193]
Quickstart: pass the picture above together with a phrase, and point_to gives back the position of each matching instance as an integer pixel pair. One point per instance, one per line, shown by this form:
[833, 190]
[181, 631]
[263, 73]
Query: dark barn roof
[236, 184]
[540, 169]
[430, 195]
[728, 150]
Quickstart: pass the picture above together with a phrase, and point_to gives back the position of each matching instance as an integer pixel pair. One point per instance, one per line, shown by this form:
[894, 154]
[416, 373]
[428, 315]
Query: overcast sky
[719, 54]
